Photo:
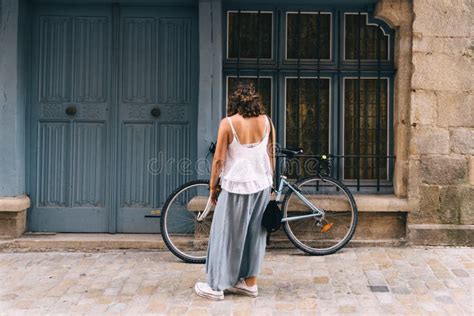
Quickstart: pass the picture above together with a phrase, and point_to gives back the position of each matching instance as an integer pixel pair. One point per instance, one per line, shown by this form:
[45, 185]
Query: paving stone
[461, 273]
[368, 281]
[400, 290]
[378, 288]
[444, 299]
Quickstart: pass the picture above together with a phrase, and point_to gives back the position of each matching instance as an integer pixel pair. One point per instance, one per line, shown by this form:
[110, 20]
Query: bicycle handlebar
[290, 152]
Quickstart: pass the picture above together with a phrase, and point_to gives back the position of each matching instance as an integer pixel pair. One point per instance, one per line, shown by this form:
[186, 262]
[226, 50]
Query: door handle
[155, 112]
[71, 110]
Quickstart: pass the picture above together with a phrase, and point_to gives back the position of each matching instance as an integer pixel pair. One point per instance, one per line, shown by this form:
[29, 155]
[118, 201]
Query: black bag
[272, 215]
[271, 219]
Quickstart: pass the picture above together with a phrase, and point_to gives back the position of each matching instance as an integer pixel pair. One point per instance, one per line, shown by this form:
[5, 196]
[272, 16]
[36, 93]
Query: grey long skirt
[237, 238]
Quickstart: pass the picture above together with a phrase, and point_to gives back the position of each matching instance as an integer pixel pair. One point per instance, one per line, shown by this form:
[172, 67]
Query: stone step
[152, 242]
[365, 203]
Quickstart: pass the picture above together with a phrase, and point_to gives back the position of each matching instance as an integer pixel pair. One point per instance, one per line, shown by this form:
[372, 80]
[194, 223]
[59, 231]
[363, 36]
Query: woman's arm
[219, 157]
[272, 146]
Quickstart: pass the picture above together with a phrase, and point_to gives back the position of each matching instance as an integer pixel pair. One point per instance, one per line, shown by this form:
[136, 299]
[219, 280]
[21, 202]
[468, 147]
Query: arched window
[326, 79]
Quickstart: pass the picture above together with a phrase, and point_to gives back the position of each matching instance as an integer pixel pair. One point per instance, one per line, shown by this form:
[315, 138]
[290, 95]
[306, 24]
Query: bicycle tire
[300, 245]
[164, 231]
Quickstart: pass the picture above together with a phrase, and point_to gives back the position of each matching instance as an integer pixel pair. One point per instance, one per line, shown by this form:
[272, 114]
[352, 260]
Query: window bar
[258, 53]
[318, 101]
[238, 46]
[378, 139]
[366, 108]
[277, 96]
[298, 79]
[366, 43]
[318, 104]
[339, 167]
[300, 133]
[358, 104]
[366, 126]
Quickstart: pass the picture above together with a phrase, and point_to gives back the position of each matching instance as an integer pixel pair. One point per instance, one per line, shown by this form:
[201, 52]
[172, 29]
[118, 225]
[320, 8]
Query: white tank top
[247, 168]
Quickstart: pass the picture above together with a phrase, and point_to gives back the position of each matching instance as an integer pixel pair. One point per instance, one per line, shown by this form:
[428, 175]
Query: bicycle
[325, 220]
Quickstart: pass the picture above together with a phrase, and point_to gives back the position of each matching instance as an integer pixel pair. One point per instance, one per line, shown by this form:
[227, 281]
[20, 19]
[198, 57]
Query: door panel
[53, 161]
[159, 66]
[70, 119]
[88, 165]
[93, 135]
[137, 149]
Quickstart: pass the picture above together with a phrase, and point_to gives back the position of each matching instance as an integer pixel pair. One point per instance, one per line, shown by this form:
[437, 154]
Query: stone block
[414, 179]
[462, 140]
[400, 178]
[466, 196]
[455, 109]
[442, 17]
[455, 46]
[440, 235]
[444, 170]
[440, 72]
[394, 12]
[471, 170]
[13, 216]
[429, 140]
[449, 205]
[12, 224]
[428, 206]
[440, 205]
[423, 107]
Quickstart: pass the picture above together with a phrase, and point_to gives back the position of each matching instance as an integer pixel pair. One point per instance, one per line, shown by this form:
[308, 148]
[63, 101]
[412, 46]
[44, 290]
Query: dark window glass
[367, 37]
[307, 123]
[263, 87]
[307, 25]
[243, 32]
[364, 126]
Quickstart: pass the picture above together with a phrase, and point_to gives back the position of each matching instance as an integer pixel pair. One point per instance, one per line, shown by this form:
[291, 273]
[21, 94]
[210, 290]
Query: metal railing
[350, 167]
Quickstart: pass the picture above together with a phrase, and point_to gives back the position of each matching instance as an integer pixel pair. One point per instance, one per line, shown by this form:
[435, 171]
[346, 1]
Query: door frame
[113, 150]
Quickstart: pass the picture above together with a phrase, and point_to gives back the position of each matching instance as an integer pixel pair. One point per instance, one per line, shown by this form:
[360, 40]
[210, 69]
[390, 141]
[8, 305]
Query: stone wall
[441, 146]
[13, 92]
[434, 120]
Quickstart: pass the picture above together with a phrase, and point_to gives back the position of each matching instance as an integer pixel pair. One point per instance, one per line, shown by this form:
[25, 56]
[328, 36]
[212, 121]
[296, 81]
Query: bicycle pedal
[326, 227]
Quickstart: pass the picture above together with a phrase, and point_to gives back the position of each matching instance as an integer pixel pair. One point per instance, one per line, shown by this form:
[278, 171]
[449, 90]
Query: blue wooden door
[158, 110]
[112, 116]
[70, 119]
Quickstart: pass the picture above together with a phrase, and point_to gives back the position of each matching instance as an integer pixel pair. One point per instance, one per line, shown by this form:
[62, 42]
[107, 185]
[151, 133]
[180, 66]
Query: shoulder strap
[234, 133]
[268, 126]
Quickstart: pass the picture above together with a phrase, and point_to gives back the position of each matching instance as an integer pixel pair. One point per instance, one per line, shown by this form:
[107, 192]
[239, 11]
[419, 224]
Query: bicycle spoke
[184, 235]
[320, 234]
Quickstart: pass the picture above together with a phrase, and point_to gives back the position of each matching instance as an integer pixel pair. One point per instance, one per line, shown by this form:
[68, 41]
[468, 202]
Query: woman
[246, 158]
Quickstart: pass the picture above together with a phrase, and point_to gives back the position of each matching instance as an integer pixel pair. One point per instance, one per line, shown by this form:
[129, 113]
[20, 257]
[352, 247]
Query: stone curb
[142, 242]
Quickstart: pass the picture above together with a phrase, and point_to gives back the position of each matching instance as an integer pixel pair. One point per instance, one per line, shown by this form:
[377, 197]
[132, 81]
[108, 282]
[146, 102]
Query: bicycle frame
[284, 182]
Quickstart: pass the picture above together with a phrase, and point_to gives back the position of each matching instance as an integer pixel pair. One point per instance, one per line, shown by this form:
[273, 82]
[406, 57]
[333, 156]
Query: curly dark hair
[245, 101]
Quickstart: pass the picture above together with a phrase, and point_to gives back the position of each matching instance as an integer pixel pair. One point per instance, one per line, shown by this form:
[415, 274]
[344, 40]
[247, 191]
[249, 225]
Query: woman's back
[247, 167]
[249, 130]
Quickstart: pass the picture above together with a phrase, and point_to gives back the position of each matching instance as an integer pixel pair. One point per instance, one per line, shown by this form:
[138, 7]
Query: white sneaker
[204, 290]
[242, 288]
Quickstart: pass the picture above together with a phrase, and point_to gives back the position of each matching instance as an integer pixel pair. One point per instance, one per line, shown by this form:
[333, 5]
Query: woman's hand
[213, 195]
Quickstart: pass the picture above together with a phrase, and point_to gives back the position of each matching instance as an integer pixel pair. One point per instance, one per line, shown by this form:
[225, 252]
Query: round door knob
[71, 110]
[155, 112]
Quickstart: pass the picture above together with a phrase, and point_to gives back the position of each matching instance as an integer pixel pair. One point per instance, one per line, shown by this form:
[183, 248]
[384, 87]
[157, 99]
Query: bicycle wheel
[320, 235]
[182, 231]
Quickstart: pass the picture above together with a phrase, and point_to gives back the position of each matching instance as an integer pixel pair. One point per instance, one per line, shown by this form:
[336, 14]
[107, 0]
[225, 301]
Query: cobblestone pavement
[369, 281]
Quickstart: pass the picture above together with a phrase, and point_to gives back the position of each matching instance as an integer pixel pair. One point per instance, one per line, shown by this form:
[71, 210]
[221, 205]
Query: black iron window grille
[326, 79]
